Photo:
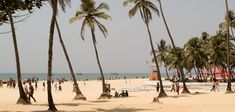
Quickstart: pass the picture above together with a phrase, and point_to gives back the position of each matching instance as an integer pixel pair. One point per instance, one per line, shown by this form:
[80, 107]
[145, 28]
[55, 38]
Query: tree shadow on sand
[63, 104]
[99, 101]
[121, 109]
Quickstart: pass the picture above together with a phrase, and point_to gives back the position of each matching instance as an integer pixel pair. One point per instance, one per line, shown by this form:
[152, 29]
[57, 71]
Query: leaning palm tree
[8, 9]
[223, 26]
[185, 89]
[79, 94]
[162, 50]
[89, 14]
[145, 7]
[229, 89]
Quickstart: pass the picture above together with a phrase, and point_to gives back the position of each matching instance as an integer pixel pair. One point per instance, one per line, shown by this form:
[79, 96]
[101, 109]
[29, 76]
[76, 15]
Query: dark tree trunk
[79, 95]
[23, 98]
[229, 89]
[105, 93]
[162, 92]
[51, 104]
[185, 90]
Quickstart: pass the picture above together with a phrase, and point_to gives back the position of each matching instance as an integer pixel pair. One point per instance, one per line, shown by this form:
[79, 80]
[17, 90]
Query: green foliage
[144, 6]
[12, 6]
[90, 14]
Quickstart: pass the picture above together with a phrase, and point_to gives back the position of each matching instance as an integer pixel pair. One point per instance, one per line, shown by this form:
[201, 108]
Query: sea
[79, 76]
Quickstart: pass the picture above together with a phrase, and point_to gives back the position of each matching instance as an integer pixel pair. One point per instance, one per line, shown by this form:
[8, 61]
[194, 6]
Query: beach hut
[153, 75]
[219, 72]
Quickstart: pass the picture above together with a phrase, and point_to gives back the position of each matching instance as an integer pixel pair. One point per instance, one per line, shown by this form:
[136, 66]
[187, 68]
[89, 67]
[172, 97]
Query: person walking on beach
[31, 91]
[25, 88]
[36, 85]
[213, 86]
[44, 86]
[157, 87]
[177, 87]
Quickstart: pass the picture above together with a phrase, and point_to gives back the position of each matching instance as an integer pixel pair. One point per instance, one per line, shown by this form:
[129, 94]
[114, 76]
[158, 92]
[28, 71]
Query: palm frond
[102, 15]
[103, 6]
[153, 7]
[91, 23]
[64, 3]
[78, 16]
[126, 2]
[84, 23]
[133, 11]
[102, 28]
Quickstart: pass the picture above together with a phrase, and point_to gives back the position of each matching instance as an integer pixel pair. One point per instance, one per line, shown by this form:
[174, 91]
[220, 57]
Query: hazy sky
[125, 50]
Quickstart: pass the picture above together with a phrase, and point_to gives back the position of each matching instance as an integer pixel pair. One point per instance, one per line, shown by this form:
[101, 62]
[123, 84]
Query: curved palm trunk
[50, 54]
[104, 94]
[23, 98]
[185, 89]
[162, 92]
[229, 89]
[79, 95]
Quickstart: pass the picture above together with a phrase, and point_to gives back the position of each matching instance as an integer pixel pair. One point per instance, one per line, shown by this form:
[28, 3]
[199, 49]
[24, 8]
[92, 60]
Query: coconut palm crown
[89, 14]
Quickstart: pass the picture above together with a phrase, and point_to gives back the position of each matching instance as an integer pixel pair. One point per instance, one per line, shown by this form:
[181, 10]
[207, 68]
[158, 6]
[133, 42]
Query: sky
[126, 48]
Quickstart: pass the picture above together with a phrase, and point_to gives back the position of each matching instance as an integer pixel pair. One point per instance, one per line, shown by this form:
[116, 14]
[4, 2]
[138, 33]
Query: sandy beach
[139, 100]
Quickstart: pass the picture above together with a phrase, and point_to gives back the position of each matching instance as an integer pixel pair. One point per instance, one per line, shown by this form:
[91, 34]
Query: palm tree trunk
[51, 104]
[185, 89]
[23, 98]
[79, 94]
[104, 94]
[229, 89]
[162, 92]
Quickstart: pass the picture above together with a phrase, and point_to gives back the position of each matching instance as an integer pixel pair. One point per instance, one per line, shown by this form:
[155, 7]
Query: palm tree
[229, 89]
[185, 89]
[50, 54]
[162, 54]
[194, 54]
[7, 9]
[223, 26]
[88, 13]
[79, 94]
[145, 7]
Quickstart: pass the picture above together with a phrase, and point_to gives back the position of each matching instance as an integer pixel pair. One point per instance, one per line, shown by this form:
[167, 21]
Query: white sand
[138, 101]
